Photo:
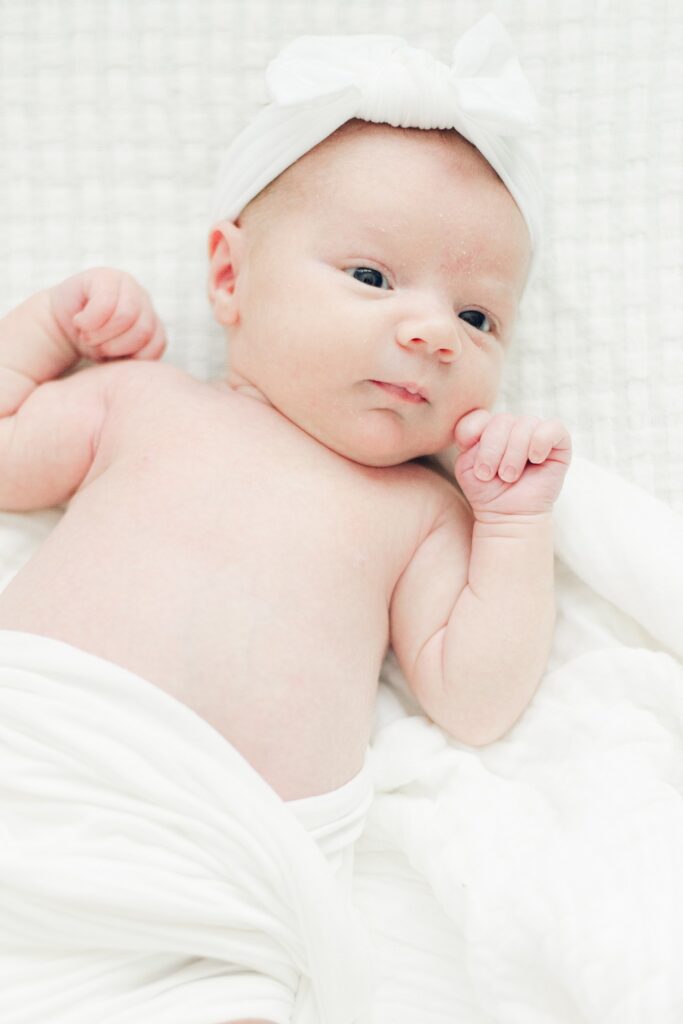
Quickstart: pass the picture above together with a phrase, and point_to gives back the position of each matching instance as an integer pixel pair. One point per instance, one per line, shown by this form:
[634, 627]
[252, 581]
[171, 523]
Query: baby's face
[390, 258]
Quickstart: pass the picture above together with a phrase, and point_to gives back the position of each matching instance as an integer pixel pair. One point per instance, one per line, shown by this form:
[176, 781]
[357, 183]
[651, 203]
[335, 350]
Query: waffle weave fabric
[114, 117]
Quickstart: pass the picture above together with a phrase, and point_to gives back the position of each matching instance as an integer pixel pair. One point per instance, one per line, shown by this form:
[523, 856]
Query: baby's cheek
[484, 379]
[474, 387]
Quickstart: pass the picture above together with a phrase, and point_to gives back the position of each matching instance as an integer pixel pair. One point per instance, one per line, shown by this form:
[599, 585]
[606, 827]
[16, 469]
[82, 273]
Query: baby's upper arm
[431, 583]
[47, 447]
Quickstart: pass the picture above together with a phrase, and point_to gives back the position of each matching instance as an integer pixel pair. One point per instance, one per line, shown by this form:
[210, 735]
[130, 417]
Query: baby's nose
[437, 335]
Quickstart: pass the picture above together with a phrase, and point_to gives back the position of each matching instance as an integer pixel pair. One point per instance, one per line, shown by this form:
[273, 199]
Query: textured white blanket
[115, 115]
[535, 881]
[539, 879]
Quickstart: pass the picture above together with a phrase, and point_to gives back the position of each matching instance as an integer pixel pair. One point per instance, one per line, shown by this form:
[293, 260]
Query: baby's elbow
[476, 738]
[476, 732]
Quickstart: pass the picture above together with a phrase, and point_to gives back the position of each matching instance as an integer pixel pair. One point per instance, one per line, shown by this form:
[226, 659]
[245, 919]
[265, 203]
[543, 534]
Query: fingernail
[483, 472]
[508, 473]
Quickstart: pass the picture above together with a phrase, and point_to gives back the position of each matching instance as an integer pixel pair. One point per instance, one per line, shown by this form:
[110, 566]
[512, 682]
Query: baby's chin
[446, 457]
[380, 446]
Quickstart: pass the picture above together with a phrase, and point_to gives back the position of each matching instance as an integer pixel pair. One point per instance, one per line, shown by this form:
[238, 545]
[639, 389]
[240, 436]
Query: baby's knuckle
[503, 419]
[521, 430]
[126, 314]
[552, 425]
[497, 430]
[103, 272]
[488, 450]
[145, 333]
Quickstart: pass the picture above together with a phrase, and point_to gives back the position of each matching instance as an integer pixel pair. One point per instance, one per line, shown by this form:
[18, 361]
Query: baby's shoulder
[428, 497]
[125, 376]
[430, 482]
[144, 399]
[134, 387]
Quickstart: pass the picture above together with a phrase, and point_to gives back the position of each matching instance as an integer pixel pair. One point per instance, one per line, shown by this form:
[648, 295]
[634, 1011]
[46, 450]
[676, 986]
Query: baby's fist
[510, 465]
[106, 314]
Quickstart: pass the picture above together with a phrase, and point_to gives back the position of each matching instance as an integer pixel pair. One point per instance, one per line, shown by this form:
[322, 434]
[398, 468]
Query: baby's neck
[240, 387]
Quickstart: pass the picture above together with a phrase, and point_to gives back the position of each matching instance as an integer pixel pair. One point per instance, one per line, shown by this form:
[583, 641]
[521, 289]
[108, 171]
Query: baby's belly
[286, 670]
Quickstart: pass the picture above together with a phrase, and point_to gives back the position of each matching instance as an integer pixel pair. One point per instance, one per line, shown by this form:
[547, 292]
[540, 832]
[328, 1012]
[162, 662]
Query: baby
[254, 545]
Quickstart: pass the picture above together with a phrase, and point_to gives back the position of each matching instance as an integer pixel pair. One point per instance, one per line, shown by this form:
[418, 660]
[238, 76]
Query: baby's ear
[226, 244]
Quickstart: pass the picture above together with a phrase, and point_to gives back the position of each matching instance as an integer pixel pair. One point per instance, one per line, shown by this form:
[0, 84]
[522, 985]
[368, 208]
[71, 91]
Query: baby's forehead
[408, 186]
[361, 162]
[357, 145]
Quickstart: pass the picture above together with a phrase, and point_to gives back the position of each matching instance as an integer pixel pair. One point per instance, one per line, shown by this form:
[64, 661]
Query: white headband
[317, 83]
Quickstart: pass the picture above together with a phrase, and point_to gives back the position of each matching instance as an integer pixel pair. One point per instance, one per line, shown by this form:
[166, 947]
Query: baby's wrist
[512, 524]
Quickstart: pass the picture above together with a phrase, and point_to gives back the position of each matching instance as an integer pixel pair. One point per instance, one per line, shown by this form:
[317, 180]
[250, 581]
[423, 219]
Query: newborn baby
[253, 545]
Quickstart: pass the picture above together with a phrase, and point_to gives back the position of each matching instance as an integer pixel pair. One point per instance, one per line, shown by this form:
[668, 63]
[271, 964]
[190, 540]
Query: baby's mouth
[406, 392]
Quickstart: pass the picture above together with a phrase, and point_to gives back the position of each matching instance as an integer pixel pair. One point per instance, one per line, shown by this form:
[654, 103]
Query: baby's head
[384, 260]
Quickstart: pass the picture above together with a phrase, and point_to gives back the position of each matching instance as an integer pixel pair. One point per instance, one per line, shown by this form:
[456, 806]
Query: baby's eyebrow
[493, 285]
[502, 291]
[373, 229]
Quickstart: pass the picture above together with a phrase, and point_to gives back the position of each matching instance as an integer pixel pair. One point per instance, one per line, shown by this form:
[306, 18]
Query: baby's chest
[262, 519]
[306, 544]
[285, 508]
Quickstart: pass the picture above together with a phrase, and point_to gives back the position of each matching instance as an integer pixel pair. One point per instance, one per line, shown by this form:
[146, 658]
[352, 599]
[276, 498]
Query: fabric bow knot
[317, 83]
[394, 82]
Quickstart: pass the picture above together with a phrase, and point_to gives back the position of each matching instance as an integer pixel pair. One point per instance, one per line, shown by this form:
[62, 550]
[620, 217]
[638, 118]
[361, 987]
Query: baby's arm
[48, 446]
[49, 428]
[472, 616]
[97, 314]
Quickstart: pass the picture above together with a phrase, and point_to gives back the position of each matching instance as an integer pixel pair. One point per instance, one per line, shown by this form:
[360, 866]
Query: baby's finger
[155, 348]
[132, 340]
[469, 427]
[130, 302]
[550, 436]
[99, 307]
[517, 451]
[492, 446]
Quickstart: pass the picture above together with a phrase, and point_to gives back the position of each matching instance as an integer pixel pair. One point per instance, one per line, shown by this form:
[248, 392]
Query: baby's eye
[368, 275]
[477, 319]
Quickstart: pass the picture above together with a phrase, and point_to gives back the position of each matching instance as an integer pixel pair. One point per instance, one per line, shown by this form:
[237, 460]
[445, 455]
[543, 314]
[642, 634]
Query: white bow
[401, 85]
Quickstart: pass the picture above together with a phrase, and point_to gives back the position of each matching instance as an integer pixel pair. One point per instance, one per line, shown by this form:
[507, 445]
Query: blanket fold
[146, 870]
[551, 858]
[537, 879]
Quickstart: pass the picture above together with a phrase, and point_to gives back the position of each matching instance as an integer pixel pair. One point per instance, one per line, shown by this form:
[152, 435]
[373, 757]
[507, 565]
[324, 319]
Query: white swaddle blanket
[148, 873]
[538, 880]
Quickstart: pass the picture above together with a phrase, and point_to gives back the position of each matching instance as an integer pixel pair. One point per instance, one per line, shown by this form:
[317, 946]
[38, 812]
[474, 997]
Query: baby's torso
[224, 555]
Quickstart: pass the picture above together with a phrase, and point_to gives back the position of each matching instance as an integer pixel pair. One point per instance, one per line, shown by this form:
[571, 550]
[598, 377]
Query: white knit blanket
[115, 115]
[539, 879]
[536, 881]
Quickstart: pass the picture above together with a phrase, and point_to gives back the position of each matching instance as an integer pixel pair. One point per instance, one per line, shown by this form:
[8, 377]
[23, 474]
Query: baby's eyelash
[374, 278]
[368, 275]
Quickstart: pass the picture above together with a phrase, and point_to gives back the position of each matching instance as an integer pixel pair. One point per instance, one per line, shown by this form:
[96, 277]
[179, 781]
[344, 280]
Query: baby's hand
[510, 465]
[106, 314]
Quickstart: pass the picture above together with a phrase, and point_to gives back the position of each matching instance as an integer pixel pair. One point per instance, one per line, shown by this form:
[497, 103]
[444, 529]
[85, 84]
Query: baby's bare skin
[160, 565]
[253, 546]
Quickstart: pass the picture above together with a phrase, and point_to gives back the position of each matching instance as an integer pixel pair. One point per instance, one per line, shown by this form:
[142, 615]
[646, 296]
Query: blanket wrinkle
[534, 880]
[133, 828]
[555, 853]
[636, 565]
